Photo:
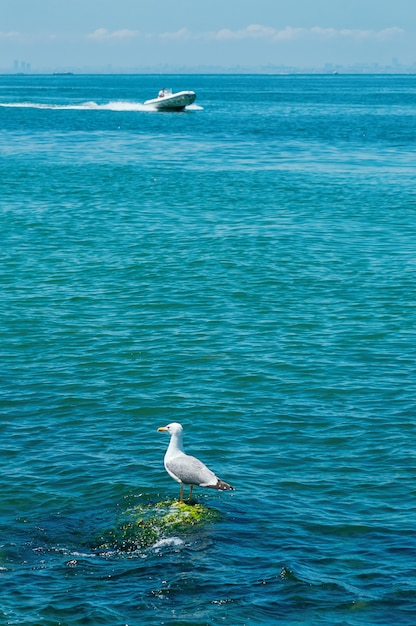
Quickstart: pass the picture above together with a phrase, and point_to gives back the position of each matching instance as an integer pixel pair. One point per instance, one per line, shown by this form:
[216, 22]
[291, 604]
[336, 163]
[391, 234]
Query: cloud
[331, 33]
[102, 34]
[289, 33]
[254, 31]
[257, 31]
[9, 35]
[182, 34]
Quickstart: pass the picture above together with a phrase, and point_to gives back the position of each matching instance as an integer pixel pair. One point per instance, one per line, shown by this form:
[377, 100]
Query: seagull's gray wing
[191, 471]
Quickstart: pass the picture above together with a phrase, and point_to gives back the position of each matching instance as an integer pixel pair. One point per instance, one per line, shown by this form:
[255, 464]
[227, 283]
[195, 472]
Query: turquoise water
[246, 268]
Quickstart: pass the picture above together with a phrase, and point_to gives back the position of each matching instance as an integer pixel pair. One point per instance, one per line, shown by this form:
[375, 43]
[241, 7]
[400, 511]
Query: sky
[130, 35]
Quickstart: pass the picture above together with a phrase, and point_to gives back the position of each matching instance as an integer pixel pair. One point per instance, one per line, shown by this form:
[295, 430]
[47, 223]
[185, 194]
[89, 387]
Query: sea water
[246, 268]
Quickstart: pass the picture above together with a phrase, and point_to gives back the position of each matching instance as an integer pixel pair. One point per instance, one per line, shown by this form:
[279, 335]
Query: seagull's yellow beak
[161, 429]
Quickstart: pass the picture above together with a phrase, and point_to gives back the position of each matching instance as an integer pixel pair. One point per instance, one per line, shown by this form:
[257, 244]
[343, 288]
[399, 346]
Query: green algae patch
[143, 525]
[180, 516]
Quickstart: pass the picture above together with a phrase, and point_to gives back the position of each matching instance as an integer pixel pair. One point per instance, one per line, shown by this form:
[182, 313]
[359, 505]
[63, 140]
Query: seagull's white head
[173, 429]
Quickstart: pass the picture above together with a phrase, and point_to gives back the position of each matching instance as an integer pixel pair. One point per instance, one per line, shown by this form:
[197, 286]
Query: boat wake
[116, 105]
[194, 107]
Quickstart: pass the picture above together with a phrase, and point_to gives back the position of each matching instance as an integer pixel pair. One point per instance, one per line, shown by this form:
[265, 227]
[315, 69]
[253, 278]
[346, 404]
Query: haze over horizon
[104, 36]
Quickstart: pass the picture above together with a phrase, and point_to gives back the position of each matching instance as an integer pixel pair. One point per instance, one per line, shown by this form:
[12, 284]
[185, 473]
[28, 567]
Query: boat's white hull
[172, 101]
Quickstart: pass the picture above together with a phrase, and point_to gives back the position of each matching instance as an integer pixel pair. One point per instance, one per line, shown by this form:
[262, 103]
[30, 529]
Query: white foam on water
[117, 105]
[167, 542]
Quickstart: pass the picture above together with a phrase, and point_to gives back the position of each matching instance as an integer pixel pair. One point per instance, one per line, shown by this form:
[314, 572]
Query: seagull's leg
[190, 492]
[181, 494]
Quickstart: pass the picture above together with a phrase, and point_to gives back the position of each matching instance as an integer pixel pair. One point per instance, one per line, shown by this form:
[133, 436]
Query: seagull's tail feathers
[222, 486]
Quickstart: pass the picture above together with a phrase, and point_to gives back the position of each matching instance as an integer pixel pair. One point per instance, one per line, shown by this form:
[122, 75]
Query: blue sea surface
[246, 268]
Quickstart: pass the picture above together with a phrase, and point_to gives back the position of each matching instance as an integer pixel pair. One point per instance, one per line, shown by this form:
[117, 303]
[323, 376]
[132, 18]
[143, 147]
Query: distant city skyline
[219, 35]
[25, 67]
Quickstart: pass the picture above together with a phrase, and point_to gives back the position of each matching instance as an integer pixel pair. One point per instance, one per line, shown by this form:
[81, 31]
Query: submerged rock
[144, 525]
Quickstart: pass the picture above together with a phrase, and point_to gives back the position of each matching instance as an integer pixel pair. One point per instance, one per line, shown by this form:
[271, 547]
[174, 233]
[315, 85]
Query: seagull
[186, 469]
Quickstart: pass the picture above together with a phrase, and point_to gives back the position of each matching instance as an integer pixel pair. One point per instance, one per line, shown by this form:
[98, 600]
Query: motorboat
[168, 101]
